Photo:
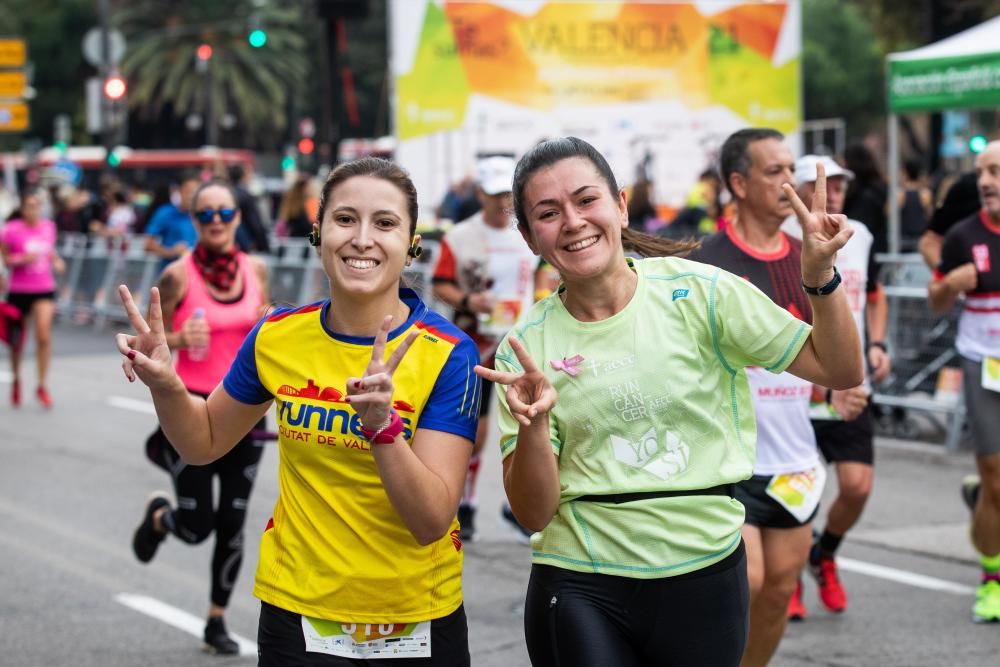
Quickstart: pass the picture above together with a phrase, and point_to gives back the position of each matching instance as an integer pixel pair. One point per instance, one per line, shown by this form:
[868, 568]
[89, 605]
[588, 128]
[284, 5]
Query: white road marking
[131, 404]
[903, 577]
[178, 618]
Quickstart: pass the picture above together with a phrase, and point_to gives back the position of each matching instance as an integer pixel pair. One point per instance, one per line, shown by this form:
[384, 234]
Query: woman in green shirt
[628, 476]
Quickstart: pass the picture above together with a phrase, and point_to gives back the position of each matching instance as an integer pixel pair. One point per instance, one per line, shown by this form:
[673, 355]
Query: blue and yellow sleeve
[453, 406]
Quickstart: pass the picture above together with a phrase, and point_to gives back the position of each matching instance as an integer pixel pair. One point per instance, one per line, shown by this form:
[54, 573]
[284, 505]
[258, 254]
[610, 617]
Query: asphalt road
[73, 482]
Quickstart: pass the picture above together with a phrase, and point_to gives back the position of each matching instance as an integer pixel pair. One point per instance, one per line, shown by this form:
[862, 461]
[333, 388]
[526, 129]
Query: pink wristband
[387, 434]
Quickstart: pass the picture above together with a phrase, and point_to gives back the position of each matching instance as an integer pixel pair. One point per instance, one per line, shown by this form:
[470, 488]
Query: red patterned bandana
[219, 269]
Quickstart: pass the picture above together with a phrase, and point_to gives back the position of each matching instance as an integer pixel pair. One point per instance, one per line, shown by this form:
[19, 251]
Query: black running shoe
[523, 534]
[217, 640]
[146, 540]
[970, 491]
[467, 523]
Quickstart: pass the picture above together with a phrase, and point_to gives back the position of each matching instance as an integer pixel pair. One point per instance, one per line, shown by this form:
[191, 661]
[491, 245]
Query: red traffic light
[115, 87]
[204, 52]
[306, 146]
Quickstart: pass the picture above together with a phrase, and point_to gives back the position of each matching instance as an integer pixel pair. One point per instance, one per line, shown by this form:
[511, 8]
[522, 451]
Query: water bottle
[197, 352]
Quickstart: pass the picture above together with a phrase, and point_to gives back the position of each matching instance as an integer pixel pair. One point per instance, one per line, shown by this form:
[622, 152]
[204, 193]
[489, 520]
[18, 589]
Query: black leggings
[575, 619]
[195, 517]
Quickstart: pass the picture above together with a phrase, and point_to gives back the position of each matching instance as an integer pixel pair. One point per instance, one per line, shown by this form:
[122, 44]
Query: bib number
[367, 640]
[798, 492]
[990, 378]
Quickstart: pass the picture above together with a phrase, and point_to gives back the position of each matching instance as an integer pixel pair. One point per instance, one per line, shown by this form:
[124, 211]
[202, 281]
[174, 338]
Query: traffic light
[204, 52]
[306, 146]
[287, 163]
[113, 158]
[114, 87]
[257, 38]
[977, 143]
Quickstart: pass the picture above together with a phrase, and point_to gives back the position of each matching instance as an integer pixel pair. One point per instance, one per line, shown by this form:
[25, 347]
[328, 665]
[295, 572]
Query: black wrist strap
[879, 344]
[463, 305]
[825, 289]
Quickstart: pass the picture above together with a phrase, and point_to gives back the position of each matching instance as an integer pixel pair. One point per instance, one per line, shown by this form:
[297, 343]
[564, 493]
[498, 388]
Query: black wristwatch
[825, 289]
[463, 305]
[879, 344]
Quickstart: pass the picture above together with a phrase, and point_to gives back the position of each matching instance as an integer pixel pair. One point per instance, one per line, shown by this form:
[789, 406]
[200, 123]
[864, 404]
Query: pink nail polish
[130, 354]
[347, 399]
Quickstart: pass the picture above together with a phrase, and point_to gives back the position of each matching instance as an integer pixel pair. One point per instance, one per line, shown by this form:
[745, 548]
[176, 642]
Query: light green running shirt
[659, 401]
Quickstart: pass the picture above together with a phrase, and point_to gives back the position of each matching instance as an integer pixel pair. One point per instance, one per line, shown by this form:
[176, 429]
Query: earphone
[414, 251]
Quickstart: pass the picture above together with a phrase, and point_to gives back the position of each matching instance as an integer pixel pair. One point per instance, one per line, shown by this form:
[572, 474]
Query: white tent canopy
[961, 71]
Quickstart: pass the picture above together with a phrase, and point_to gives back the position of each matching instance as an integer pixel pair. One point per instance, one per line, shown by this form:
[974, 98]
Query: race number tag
[367, 640]
[503, 318]
[798, 492]
[991, 374]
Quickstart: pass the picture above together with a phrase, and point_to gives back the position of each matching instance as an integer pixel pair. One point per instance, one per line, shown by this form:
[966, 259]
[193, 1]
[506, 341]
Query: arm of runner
[877, 320]
[832, 355]
[201, 431]
[531, 471]
[424, 482]
[942, 294]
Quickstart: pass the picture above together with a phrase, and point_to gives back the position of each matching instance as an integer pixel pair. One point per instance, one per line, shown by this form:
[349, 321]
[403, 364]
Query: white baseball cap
[495, 175]
[805, 169]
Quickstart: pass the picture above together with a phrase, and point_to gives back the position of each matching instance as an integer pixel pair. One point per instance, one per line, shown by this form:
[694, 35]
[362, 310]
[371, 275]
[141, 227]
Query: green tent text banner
[944, 83]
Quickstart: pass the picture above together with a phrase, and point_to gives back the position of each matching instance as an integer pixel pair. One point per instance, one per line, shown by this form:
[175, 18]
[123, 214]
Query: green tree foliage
[842, 65]
[254, 84]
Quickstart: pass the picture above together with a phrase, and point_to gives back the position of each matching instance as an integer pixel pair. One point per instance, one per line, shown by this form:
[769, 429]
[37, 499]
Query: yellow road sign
[13, 116]
[13, 83]
[13, 53]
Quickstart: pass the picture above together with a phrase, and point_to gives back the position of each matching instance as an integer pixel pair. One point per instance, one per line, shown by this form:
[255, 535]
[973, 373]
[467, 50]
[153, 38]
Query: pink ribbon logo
[568, 365]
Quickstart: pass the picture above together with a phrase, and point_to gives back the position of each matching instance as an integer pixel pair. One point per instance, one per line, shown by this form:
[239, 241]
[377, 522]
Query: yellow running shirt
[335, 547]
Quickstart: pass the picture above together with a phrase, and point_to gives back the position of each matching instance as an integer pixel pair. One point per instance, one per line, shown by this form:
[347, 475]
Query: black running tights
[574, 619]
[196, 516]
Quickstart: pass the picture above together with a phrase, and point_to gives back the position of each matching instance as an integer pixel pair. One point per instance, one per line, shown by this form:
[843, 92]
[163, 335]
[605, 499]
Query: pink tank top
[229, 324]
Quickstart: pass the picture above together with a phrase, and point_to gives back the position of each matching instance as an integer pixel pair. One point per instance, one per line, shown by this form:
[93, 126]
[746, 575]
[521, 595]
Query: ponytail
[648, 245]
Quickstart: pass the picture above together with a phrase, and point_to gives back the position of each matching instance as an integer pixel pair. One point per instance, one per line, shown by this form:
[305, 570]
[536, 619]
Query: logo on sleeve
[981, 257]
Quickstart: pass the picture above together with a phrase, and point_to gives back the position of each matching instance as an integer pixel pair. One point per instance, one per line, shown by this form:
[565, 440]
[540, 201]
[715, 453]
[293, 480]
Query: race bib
[991, 374]
[367, 640]
[502, 319]
[798, 492]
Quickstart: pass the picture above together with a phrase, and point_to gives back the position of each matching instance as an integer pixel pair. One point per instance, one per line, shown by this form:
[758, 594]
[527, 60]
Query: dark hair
[734, 158]
[213, 183]
[236, 172]
[375, 167]
[862, 162]
[547, 153]
[913, 167]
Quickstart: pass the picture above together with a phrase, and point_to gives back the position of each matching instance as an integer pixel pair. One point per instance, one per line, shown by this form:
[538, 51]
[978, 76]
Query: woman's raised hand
[529, 393]
[146, 353]
[823, 234]
[371, 395]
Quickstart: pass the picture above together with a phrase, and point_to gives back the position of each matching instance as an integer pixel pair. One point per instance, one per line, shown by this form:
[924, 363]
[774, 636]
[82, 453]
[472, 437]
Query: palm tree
[253, 84]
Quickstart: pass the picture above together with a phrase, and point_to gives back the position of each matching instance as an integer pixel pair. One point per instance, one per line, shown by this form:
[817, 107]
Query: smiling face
[759, 192]
[988, 179]
[364, 236]
[217, 236]
[574, 219]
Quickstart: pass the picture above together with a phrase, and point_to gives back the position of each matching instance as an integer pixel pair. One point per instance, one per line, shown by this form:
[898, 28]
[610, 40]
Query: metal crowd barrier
[921, 344]
[88, 290]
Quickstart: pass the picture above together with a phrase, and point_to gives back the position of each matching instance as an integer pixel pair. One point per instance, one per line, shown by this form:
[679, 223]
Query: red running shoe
[797, 610]
[15, 393]
[44, 398]
[831, 592]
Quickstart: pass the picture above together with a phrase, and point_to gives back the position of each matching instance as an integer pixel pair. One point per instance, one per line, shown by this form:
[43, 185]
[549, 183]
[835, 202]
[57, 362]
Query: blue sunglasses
[206, 215]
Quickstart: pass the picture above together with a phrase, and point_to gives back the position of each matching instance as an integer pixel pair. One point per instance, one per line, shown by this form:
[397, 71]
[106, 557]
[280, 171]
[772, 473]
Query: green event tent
[959, 72]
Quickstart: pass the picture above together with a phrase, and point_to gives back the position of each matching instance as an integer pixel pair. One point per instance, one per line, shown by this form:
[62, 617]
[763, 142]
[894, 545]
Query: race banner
[655, 86]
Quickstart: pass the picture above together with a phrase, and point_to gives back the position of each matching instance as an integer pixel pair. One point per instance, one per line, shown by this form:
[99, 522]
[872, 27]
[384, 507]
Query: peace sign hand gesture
[371, 395]
[146, 352]
[530, 394]
[823, 234]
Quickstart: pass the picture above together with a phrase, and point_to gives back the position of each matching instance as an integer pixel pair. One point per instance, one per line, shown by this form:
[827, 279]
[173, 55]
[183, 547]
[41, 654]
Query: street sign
[92, 46]
[13, 83]
[13, 116]
[13, 53]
